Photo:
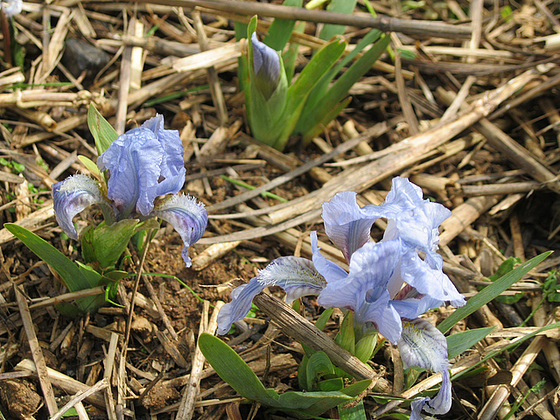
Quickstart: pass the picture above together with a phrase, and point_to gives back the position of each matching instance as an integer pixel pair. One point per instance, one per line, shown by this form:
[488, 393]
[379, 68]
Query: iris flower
[388, 285]
[12, 7]
[146, 173]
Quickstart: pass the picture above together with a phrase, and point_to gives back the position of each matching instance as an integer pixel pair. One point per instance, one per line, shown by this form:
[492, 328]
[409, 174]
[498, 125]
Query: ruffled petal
[423, 345]
[429, 281]
[144, 163]
[347, 226]
[187, 216]
[364, 290]
[172, 176]
[328, 269]
[240, 305]
[71, 196]
[297, 276]
[412, 219]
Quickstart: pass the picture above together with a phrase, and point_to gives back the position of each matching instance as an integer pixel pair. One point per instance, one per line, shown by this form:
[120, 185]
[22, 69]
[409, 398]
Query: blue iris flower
[146, 173]
[12, 7]
[267, 67]
[389, 283]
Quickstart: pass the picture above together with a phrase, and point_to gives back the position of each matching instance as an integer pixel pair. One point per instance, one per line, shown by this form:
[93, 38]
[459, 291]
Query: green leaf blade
[103, 132]
[491, 291]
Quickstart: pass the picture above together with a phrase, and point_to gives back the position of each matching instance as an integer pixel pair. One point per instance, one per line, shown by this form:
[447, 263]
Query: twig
[192, 389]
[109, 365]
[64, 382]
[159, 307]
[80, 396]
[124, 82]
[498, 398]
[296, 326]
[215, 87]
[383, 23]
[36, 352]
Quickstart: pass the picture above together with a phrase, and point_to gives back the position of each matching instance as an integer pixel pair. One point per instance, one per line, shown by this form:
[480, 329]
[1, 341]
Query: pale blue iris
[146, 172]
[389, 283]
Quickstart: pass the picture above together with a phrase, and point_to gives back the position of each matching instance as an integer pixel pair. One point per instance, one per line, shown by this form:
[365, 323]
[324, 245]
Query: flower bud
[266, 66]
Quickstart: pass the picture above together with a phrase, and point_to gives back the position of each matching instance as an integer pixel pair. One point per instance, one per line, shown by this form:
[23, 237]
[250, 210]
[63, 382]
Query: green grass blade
[66, 268]
[459, 342]
[339, 6]
[514, 343]
[103, 132]
[233, 370]
[281, 29]
[491, 291]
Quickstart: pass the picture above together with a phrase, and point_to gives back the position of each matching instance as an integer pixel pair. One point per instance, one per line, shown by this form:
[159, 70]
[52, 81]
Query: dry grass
[473, 119]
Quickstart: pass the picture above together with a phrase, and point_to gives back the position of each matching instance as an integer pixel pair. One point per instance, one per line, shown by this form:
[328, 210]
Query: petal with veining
[71, 196]
[187, 216]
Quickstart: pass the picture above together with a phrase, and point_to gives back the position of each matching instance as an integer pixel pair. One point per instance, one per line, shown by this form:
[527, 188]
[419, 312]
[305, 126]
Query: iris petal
[144, 163]
[172, 175]
[187, 216]
[364, 290]
[266, 65]
[429, 281]
[297, 276]
[240, 305]
[423, 345]
[346, 224]
[328, 269]
[12, 7]
[70, 197]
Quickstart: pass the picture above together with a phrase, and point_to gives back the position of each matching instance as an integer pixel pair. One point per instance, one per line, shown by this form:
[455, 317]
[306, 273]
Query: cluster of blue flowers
[146, 172]
[389, 283]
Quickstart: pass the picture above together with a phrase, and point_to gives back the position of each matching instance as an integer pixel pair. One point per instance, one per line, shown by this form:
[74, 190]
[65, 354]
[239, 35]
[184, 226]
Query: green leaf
[233, 370]
[312, 403]
[514, 343]
[339, 6]
[76, 276]
[321, 62]
[281, 29]
[322, 86]
[319, 365]
[365, 347]
[459, 342]
[314, 117]
[357, 388]
[105, 244]
[103, 133]
[333, 384]
[70, 272]
[491, 291]
[324, 318]
[353, 412]
[346, 336]
[302, 372]
[90, 165]
[290, 55]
